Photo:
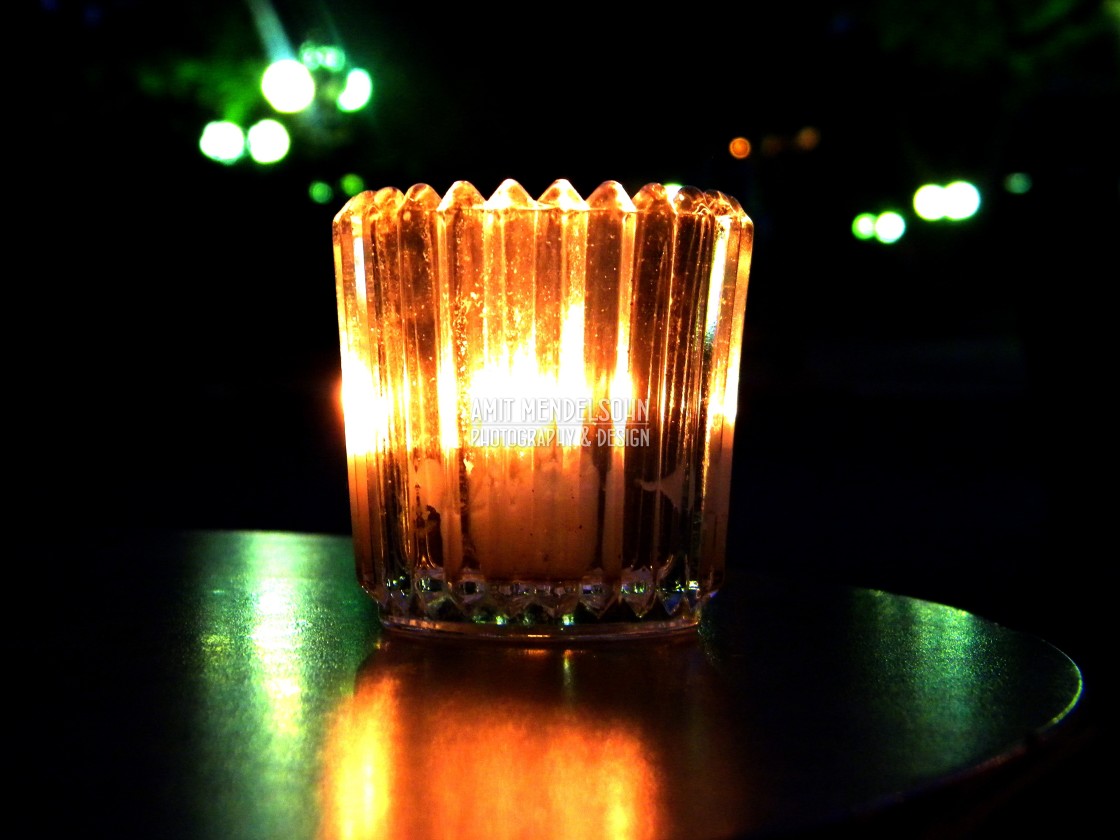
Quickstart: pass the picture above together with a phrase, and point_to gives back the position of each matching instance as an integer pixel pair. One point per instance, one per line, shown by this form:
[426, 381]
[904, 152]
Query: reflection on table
[271, 705]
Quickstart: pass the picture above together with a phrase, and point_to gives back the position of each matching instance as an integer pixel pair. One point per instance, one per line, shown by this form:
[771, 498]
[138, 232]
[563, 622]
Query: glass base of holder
[537, 611]
[541, 633]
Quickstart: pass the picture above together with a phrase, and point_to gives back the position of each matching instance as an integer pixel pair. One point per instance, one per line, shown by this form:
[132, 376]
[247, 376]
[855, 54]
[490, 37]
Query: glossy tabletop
[237, 685]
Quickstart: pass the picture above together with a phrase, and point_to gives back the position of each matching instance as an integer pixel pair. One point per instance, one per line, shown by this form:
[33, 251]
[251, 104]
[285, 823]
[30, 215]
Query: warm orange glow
[740, 148]
[478, 767]
[772, 144]
[366, 414]
[807, 138]
[359, 786]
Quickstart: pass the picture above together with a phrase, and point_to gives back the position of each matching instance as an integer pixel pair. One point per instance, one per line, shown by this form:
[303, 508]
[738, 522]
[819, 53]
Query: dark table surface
[237, 685]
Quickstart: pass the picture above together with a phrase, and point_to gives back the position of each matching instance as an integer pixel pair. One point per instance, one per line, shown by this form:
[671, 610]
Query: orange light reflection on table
[463, 767]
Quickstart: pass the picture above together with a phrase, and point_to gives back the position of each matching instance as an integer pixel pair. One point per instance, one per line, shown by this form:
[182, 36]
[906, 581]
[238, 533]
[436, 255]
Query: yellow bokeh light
[740, 148]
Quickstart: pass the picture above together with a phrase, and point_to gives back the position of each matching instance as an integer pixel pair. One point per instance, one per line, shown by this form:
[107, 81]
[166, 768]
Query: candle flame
[519, 385]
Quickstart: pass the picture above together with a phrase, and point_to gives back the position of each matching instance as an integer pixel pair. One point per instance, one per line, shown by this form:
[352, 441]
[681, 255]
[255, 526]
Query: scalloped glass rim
[686, 200]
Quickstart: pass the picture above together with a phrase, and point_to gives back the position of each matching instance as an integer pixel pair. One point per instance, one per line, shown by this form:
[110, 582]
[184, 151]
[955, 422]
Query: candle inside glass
[539, 399]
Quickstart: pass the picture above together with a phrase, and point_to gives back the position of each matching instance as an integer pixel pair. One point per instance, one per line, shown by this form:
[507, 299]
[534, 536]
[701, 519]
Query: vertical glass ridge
[359, 373]
[540, 403]
[650, 480]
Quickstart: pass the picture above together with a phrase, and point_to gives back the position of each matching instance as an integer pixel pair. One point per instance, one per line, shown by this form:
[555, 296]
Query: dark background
[926, 418]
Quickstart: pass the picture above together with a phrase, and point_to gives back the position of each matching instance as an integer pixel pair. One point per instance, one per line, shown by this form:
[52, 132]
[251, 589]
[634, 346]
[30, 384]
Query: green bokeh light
[889, 227]
[222, 141]
[320, 192]
[268, 141]
[358, 90]
[314, 56]
[310, 57]
[288, 86]
[333, 58]
[351, 184]
[1018, 183]
[863, 226]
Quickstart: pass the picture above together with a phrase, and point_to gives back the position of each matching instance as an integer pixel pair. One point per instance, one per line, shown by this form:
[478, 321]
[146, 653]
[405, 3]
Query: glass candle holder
[539, 400]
